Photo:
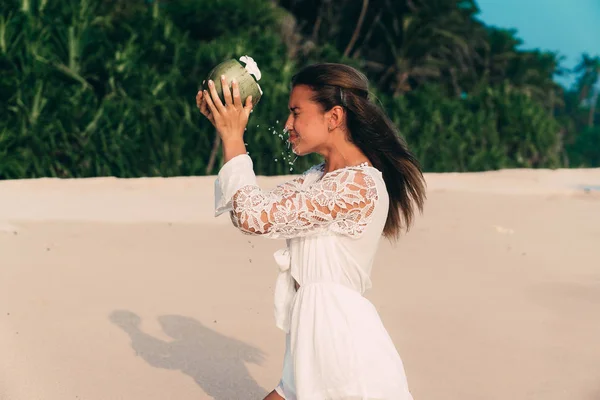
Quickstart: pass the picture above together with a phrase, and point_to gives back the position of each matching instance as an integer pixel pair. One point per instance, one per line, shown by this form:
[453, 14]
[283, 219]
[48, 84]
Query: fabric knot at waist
[283, 259]
[285, 290]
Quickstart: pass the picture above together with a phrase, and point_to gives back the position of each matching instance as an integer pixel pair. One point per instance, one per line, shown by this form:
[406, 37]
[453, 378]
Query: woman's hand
[229, 119]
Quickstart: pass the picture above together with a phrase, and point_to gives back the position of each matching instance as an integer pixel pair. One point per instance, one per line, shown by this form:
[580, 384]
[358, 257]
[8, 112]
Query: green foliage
[112, 93]
[584, 152]
[499, 128]
[96, 88]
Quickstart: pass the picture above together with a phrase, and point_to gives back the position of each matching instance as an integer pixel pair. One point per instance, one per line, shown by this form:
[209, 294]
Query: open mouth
[293, 137]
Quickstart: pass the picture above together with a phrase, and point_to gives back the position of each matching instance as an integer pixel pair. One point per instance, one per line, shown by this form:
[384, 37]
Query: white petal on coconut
[251, 66]
[261, 92]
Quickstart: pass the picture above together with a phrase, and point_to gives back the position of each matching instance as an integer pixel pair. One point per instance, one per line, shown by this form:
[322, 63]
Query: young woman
[332, 217]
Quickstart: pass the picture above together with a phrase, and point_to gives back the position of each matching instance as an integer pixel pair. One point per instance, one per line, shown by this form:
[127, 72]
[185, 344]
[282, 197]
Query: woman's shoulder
[315, 168]
[364, 173]
[364, 177]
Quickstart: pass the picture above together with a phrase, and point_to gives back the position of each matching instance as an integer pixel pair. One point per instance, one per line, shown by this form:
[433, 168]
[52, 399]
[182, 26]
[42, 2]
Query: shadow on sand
[216, 362]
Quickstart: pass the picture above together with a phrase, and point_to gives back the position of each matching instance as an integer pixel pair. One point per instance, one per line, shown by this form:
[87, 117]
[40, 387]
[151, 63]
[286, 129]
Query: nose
[288, 124]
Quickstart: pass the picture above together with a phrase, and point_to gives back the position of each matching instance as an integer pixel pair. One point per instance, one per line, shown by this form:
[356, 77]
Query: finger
[248, 106]
[216, 100]
[199, 100]
[237, 101]
[226, 91]
[211, 118]
[205, 111]
[209, 103]
[204, 108]
[202, 104]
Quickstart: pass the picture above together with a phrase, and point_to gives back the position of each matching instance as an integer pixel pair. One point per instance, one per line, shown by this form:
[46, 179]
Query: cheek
[298, 123]
[316, 130]
[306, 125]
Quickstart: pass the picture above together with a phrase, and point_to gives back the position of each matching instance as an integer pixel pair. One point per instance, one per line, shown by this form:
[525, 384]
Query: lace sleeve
[342, 201]
[239, 172]
[279, 191]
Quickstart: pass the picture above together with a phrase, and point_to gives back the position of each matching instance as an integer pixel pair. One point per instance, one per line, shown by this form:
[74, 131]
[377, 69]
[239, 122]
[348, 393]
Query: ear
[336, 117]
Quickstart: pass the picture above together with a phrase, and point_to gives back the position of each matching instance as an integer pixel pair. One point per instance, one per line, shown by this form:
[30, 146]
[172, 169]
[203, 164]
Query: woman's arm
[239, 172]
[343, 201]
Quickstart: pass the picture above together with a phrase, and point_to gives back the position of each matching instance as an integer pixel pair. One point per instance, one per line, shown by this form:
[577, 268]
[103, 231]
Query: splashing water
[287, 157]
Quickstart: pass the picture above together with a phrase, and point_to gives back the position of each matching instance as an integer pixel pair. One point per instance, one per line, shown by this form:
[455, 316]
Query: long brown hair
[372, 131]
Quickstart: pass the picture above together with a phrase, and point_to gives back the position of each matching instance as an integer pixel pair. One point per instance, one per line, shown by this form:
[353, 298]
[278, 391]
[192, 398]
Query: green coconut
[234, 69]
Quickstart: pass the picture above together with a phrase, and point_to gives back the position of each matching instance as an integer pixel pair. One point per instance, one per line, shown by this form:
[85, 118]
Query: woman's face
[307, 124]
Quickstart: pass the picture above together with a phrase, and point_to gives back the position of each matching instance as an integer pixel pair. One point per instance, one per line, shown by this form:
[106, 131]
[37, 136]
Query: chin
[299, 152]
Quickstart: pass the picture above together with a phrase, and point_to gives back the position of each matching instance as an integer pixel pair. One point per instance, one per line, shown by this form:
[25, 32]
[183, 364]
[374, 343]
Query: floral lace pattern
[342, 202]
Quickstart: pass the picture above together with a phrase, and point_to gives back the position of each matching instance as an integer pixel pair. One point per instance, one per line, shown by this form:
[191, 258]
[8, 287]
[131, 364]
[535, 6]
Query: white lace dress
[336, 344]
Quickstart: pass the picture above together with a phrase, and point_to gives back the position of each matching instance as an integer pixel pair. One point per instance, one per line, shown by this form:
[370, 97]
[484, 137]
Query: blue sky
[569, 27]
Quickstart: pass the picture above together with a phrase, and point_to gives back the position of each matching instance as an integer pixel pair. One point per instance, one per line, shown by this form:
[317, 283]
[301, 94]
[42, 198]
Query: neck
[341, 154]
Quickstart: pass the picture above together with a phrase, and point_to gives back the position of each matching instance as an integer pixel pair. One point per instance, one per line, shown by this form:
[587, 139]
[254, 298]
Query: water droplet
[275, 160]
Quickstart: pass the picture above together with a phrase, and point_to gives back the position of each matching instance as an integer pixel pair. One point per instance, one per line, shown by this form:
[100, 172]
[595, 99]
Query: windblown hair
[371, 130]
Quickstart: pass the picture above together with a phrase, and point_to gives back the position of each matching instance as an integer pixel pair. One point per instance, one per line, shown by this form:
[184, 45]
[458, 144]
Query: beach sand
[131, 289]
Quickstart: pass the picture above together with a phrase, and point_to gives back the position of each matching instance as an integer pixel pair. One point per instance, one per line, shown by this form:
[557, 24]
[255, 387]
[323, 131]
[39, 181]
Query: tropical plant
[588, 70]
[499, 128]
[97, 88]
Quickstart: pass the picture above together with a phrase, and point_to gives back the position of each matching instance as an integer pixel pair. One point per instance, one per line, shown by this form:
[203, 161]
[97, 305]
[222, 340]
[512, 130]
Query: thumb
[248, 107]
